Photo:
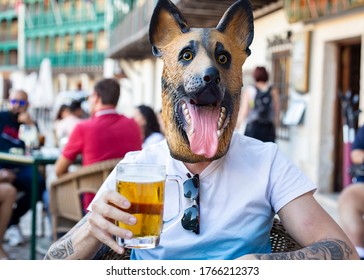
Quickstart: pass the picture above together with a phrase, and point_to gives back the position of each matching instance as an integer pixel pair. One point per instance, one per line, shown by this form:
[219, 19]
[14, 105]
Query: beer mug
[144, 186]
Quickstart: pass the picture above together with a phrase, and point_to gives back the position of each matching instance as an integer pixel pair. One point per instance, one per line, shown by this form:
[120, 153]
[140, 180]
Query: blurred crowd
[95, 135]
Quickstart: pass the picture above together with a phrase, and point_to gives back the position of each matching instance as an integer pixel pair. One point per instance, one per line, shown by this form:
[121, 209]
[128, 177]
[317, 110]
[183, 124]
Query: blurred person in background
[10, 122]
[70, 116]
[260, 108]
[106, 135]
[149, 125]
[7, 199]
[351, 199]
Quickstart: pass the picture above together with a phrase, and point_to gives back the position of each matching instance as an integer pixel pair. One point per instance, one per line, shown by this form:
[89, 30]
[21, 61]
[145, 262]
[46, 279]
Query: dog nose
[210, 91]
[211, 75]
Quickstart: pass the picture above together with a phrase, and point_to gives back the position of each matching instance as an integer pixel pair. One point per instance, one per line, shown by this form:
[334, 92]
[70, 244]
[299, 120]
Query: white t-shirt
[155, 137]
[239, 196]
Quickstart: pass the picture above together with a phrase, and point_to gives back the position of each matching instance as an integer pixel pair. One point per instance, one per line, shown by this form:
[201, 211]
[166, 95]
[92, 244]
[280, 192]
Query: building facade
[8, 44]
[72, 34]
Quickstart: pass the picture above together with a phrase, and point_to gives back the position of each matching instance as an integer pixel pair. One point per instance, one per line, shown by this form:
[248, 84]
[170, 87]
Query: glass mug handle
[171, 222]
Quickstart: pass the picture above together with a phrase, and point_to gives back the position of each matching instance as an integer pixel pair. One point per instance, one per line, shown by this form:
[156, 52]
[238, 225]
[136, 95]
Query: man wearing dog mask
[240, 183]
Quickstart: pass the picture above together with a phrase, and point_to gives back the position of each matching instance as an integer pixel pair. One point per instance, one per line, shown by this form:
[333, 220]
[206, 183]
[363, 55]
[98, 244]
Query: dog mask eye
[187, 55]
[222, 59]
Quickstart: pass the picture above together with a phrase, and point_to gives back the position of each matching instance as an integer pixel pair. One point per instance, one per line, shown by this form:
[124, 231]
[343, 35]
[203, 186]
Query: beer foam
[141, 179]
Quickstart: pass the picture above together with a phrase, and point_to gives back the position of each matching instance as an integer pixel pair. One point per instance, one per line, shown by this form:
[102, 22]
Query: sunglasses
[21, 103]
[191, 216]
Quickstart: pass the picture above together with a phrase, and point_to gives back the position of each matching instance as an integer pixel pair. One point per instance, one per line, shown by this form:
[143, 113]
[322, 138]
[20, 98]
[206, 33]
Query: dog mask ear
[166, 23]
[237, 23]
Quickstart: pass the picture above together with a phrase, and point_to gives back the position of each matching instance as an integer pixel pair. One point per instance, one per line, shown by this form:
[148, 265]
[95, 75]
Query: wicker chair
[65, 202]
[281, 241]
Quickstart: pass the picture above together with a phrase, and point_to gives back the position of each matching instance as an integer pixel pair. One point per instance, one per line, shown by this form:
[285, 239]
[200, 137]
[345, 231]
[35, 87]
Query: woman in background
[149, 125]
[260, 108]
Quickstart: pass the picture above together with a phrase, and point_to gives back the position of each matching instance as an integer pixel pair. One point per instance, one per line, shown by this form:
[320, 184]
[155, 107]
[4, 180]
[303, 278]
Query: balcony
[129, 36]
[75, 60]
[298, 10]
[63, 19]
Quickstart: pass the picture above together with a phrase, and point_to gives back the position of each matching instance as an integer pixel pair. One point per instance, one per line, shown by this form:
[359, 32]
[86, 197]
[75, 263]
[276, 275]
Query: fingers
[105, 210]
[101, 231]
[111, 205]
[24, 117]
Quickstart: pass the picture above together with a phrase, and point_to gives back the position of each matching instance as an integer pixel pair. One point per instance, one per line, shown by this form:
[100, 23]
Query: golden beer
[146, 200]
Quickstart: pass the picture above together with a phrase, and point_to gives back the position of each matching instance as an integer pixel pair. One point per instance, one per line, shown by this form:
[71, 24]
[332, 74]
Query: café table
[35, 161]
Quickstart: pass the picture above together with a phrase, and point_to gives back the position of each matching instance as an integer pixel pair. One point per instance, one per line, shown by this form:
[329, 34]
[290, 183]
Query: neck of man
[197, 168]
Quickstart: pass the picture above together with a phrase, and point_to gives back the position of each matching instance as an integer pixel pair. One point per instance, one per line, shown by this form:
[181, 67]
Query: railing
[7, 36]
[48, 19]
[127, 26]
[301, 10]
[5, 7]
[69, 59]
[120, 11]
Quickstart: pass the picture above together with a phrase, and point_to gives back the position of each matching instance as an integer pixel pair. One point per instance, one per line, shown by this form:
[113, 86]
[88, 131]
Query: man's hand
[24, 117]
[105, 211]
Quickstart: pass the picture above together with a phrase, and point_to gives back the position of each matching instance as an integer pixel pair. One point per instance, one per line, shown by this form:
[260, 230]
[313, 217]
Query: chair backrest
[280, 240]
[65, 202]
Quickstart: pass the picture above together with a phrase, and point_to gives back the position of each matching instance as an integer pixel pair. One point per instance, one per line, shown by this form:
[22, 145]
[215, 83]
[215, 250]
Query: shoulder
[250, 91]
[5, 114]
[251, 150]
[156, 153]
[156, 136]
[126, 120]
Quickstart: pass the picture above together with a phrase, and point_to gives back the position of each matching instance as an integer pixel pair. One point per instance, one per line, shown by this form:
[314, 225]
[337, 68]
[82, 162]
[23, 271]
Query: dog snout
[205, 89]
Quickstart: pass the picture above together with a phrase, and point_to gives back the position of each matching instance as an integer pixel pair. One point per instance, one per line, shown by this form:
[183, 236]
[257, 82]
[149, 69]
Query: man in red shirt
[106, 135]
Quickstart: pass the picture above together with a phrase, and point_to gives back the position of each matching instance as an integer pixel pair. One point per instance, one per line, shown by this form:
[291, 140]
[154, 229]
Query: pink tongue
[203, 140]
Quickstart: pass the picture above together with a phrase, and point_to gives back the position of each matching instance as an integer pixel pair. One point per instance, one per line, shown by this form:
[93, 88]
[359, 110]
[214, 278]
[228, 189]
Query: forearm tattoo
[63, 248]
[61, 251]
[330, 249]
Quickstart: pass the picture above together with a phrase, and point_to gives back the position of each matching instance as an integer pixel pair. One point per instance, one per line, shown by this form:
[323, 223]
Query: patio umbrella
[43, 96]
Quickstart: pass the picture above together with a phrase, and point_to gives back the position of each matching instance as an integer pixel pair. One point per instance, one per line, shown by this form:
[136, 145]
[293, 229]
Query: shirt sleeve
[287, 182]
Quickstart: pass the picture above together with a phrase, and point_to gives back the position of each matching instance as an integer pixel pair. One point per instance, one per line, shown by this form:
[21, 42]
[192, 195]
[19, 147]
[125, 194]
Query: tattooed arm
[310, 225]
[330, 249]
[95, 230]
[64, 247]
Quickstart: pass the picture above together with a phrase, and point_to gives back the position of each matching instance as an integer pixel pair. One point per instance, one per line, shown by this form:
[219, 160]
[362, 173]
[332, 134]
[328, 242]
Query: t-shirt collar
[103, 112]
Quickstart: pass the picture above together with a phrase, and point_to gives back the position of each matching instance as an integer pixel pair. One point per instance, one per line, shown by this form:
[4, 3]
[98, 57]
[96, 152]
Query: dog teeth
[186, 113]
[192, 130]
[221, 118]
[188, 119]
[218, 133]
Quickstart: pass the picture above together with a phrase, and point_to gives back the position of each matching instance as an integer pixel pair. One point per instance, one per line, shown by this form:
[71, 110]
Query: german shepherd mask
[201, 79]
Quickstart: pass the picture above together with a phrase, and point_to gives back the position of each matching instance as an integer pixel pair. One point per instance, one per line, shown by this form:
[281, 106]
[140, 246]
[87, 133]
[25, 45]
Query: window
[78, 42]
[2, 58]
[90, 41]
[102, 43]
[14, 29]
[13, 57]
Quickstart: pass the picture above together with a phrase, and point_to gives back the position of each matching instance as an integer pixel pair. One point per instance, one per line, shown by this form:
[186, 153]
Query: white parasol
[43, 96]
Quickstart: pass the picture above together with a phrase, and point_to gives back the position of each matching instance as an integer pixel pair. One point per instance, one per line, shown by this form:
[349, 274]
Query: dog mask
[202, 78]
